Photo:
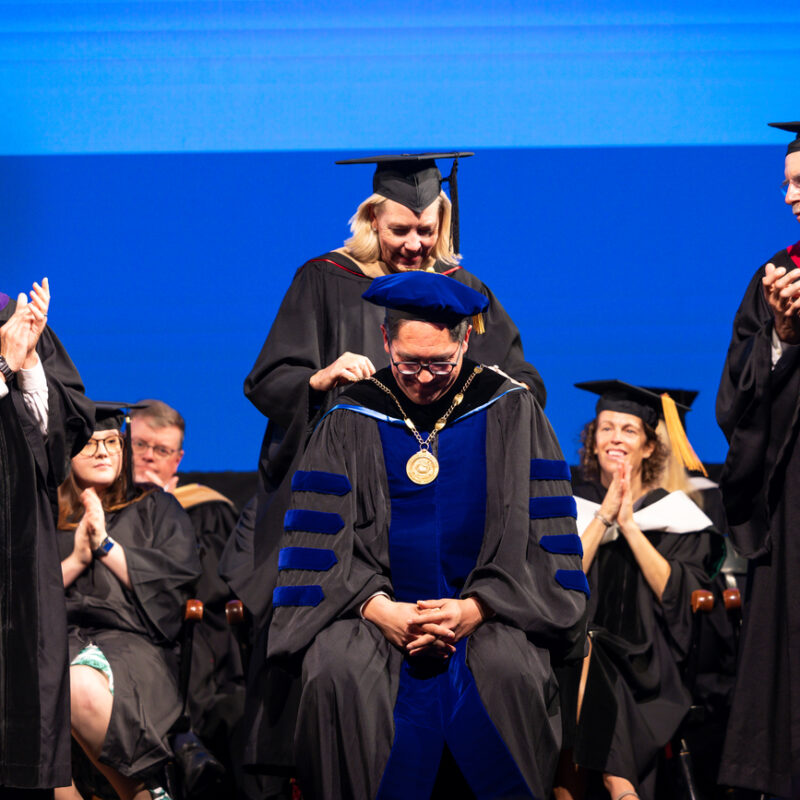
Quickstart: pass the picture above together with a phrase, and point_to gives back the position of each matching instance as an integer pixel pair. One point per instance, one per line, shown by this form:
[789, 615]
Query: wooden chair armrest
[702, 600]
[234, 612]
[732, 599]
[193, 612]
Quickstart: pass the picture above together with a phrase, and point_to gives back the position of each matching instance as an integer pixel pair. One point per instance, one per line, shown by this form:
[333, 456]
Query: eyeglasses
[159, 451]
[434, 367]
[793, 182]
[112, 444]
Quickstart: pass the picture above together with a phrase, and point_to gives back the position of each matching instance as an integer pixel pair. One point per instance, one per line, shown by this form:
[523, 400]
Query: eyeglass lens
[113, 445]
[159, 451]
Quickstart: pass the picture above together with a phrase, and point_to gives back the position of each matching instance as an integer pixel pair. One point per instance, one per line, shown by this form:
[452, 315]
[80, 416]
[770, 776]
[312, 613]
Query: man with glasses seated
[429, 573]
[758, 407]
[216, 691]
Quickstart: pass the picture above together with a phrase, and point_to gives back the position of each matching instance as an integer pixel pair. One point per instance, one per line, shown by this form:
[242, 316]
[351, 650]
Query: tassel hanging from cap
[477, 323]
[677, 436]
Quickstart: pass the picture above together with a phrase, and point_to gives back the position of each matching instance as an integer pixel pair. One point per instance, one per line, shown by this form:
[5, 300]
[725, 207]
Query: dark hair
[393, 319]
[652, 466]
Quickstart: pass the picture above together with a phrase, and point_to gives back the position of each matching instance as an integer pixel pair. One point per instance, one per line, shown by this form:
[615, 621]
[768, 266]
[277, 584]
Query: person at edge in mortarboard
[44, 418]
[129, 563]
[447, 577]
[216, 692]
[644, 551]
[757, 409]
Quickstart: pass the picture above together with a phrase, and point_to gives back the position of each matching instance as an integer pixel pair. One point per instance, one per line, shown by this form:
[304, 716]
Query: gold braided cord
[426, 443]
[677, 437]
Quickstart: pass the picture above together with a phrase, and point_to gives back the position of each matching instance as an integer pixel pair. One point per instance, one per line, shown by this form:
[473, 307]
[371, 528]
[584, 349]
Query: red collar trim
[794, 253]
[362, 275]
[341, 266]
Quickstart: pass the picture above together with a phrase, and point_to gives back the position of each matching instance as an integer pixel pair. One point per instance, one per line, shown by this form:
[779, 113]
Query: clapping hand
[82, 545]
[782, 293]
[94, 517]
[20, 335]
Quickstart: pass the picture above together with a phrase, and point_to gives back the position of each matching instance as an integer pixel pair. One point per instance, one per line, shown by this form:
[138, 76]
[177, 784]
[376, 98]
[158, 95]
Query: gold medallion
[422, 467]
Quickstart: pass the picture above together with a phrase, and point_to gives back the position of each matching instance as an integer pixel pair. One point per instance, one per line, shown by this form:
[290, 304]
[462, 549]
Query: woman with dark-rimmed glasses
[129, 563]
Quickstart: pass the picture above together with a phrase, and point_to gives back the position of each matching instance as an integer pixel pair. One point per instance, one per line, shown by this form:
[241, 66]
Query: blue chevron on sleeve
[566, 544]
[546, 469]
[300, 519]
[297, 596]
[558, 506]
[313, 558]
[573, 579]
[320, 482]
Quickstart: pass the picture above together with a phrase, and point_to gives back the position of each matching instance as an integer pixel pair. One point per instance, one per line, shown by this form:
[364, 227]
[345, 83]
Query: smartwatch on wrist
[8, 373]
[104, 548]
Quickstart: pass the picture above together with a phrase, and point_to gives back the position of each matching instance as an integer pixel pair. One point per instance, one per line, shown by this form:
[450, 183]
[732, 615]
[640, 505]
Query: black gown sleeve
[526, 554]
[755, 409]
[692, 559]
[70, 412]
[163, 573]
[346, 446]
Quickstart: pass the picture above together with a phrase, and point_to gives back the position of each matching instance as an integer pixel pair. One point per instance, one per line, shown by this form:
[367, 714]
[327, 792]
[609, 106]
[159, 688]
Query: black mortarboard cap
[790, 127]
[426, 295]
[683, 398]
[108, 417]
[414, 180]
[626, 398]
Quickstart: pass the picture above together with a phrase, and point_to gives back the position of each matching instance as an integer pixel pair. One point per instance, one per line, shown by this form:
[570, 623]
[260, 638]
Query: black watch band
[102, 550]
[8, 373]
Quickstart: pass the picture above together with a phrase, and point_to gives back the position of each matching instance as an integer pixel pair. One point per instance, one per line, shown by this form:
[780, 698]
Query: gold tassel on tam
[677, 436]
[477, 323]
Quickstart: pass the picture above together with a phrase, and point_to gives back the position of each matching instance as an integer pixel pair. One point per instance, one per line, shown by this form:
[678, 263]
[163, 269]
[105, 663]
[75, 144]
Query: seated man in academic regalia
[430, 570]
[216, 687]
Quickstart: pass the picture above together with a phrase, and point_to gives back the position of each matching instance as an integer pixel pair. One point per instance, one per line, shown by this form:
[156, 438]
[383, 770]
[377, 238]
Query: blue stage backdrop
[169, 165]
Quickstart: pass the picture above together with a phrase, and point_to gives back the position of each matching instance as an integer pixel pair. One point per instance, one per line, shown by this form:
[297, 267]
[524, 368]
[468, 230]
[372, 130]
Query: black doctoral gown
[758, 408]
[635, 698]
[34, 686]
[497, 522]
[136, 628]
[321, 317]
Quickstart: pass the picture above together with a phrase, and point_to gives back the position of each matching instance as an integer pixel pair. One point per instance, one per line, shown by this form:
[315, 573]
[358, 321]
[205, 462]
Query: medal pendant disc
[422, 467]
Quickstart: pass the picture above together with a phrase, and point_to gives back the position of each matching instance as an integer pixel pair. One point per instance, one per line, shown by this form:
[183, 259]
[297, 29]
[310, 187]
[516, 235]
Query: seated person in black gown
[216, 690]
[129, 563]
[644, 551]
[430, 571]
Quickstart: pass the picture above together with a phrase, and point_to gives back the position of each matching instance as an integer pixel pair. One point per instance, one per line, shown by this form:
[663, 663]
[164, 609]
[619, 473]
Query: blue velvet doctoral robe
[497, 523]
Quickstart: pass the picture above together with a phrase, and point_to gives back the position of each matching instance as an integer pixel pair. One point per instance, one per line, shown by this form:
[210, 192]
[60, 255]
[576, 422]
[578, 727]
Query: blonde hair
[364, 246]
[675, 478]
